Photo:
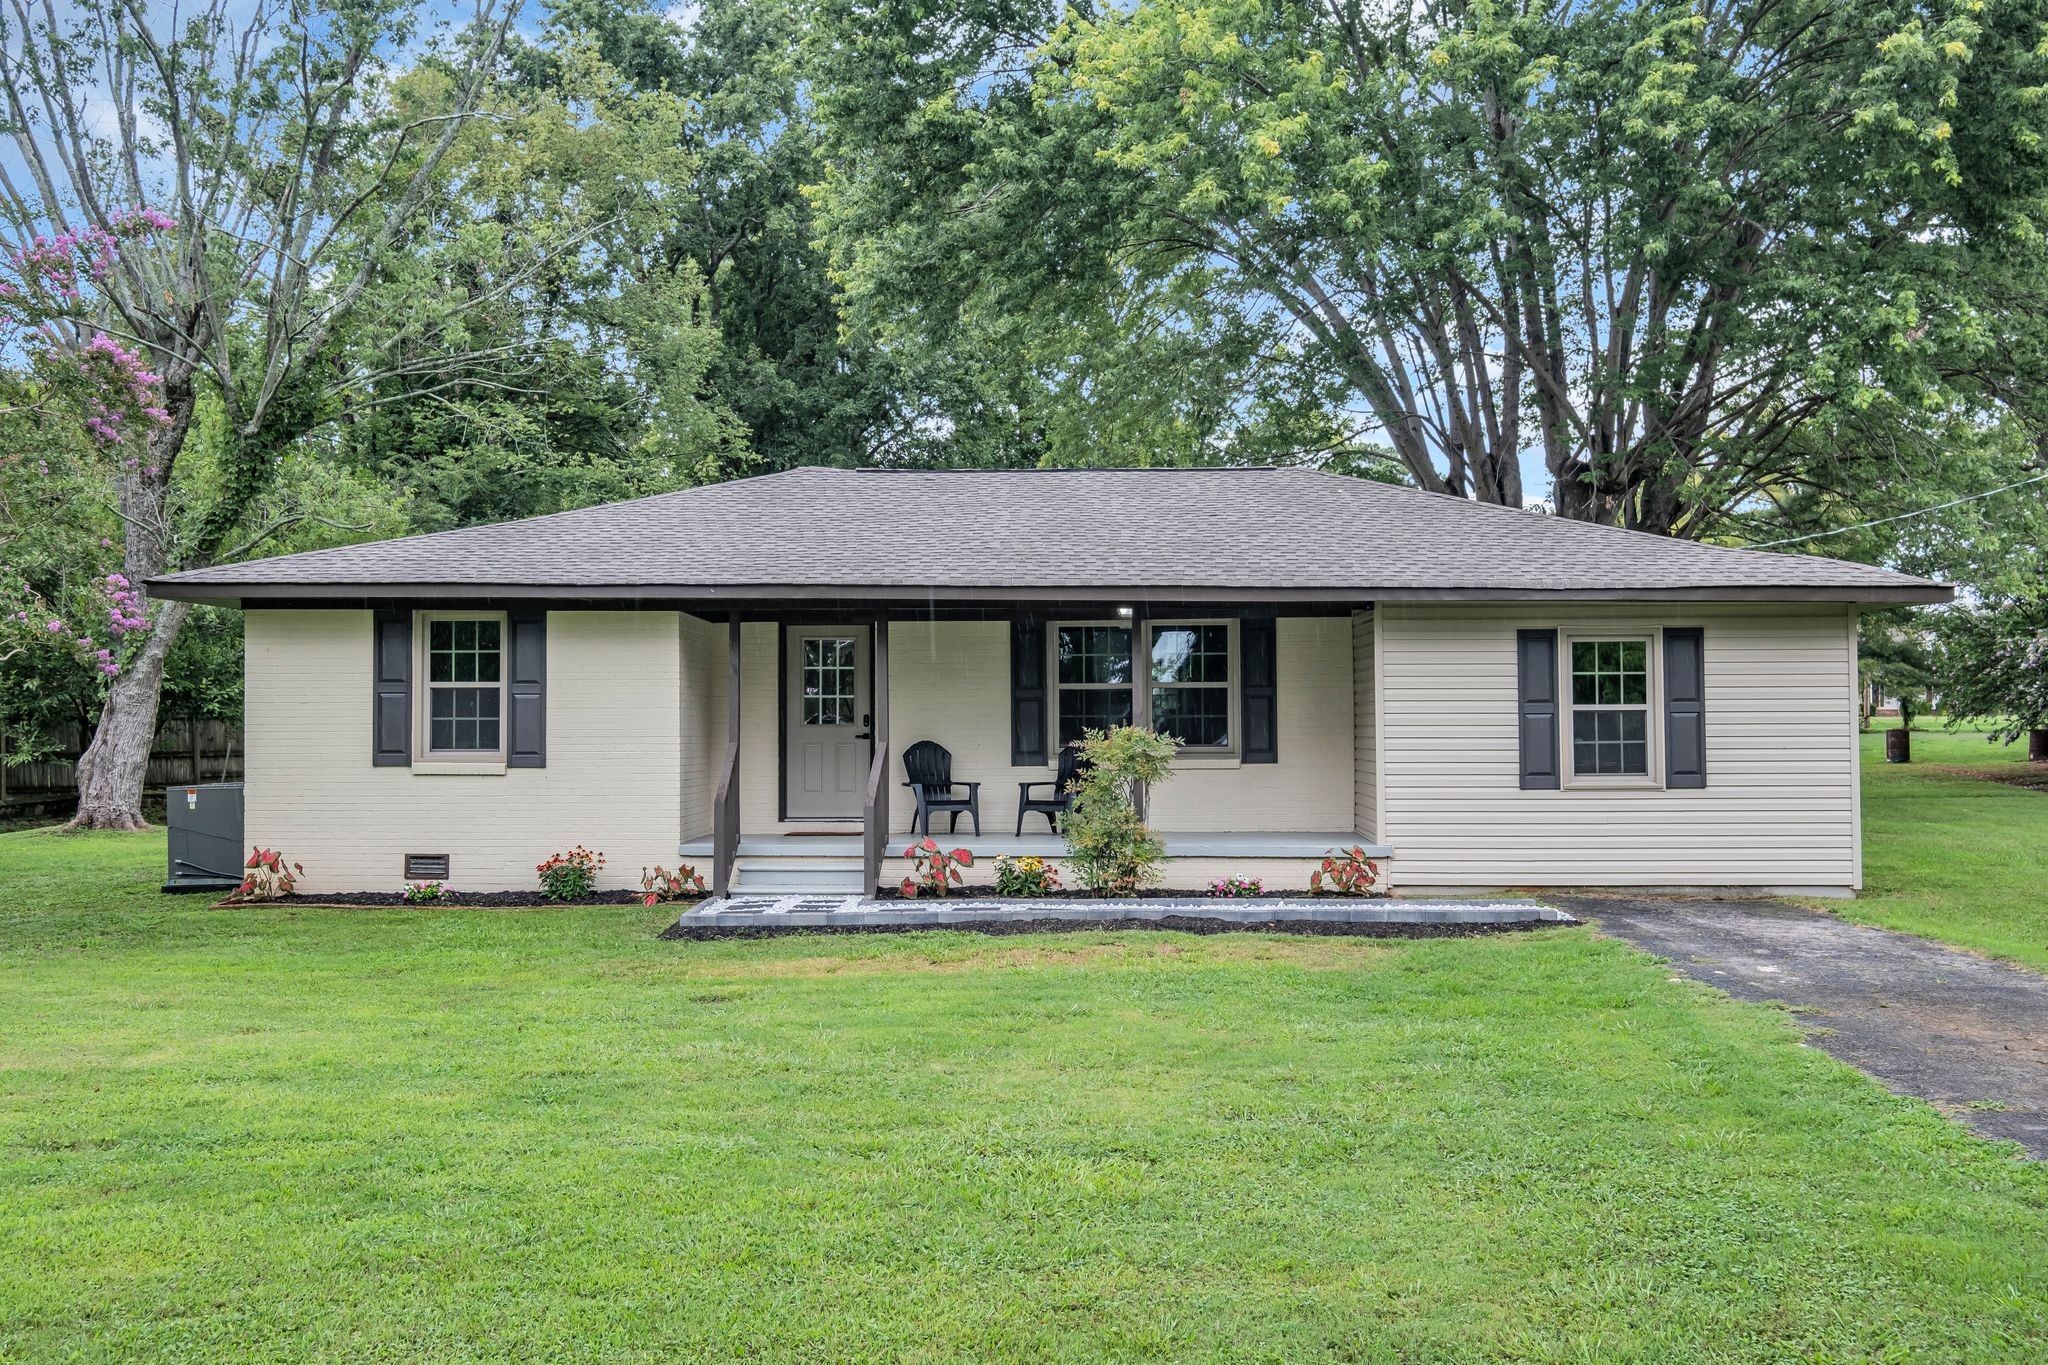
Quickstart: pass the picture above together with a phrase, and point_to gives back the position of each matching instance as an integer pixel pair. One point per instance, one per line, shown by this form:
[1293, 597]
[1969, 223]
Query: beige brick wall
[704, 674]
[611, 781]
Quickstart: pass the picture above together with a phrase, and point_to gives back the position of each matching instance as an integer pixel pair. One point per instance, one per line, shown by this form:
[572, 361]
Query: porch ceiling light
[1123, 611]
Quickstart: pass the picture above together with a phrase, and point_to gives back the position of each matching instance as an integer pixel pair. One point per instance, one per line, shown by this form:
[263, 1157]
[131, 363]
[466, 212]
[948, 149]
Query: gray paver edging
[802, 911]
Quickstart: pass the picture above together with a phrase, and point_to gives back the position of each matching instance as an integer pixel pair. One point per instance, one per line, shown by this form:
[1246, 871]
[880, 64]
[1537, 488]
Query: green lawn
[269, 1134]
[1950, 855]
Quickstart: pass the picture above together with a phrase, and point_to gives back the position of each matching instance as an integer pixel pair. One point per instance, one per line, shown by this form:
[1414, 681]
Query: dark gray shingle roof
[899, 533]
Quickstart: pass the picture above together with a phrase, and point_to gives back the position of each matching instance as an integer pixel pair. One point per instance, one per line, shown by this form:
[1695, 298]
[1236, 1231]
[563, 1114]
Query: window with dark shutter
[1027, 692]
[1260, 694]
[1685, 707]
[1536, 673]
[526, 739]
[391, 689]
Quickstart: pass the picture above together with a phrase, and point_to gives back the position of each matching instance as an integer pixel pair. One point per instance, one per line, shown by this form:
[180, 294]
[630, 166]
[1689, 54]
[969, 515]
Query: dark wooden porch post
[1141, 692]
[875, 826]
[725, 839]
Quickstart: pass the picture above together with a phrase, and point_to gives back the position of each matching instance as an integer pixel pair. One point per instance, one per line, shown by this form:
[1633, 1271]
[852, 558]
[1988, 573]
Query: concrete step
[796, 876]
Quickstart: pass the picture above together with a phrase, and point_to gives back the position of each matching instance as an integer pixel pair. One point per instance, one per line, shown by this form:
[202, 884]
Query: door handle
[867, 719]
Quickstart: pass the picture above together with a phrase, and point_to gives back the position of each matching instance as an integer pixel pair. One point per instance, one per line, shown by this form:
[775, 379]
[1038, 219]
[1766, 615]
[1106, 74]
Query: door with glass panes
[826, 727]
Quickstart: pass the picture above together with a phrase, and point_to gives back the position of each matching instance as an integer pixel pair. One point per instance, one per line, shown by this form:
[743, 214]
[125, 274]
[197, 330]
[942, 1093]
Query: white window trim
[1653, 709]
[429, 761]
[1219, 756]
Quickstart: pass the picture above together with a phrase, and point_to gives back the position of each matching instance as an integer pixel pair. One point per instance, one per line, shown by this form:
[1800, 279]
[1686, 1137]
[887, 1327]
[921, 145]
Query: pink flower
[56, 627]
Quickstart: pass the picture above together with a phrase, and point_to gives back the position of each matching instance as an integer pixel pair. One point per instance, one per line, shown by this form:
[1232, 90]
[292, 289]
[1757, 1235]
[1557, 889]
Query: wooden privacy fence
[188, 749]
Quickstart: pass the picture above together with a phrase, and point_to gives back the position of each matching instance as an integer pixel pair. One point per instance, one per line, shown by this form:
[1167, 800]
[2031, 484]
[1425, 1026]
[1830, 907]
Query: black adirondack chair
[1055, 805]
[930, 769]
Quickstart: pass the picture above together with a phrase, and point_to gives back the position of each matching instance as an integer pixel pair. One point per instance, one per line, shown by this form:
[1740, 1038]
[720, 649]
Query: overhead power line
[1903, 516]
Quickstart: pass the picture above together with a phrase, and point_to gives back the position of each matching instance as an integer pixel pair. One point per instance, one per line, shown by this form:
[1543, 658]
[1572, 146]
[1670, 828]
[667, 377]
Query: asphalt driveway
[1967, 1034]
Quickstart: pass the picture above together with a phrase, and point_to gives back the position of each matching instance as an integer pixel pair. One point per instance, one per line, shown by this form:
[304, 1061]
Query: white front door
[826, 727]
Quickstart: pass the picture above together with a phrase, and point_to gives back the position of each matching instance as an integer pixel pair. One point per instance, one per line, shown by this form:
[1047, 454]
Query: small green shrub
[1025, 877]
[422, 893]
[1109, 848]
[570, 876]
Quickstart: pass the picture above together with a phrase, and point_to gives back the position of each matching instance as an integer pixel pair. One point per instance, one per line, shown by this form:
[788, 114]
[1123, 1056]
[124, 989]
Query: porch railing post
[1141, 692]
[725, 840]
[875, 821]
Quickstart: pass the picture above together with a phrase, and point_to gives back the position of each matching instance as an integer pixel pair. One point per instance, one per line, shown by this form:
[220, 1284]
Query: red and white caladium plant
[1345, 872]
[265, 877]
[937, 869]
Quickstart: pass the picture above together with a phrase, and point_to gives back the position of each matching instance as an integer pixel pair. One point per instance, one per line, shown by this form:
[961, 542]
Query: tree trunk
[112, 769]
[2037, 746]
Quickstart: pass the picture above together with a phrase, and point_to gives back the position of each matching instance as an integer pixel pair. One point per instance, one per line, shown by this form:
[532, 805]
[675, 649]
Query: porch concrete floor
[851, 912]
[1179, 844]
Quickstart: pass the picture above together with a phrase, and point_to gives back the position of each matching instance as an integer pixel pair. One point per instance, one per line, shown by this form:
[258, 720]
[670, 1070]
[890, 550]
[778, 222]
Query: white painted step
[786, 876]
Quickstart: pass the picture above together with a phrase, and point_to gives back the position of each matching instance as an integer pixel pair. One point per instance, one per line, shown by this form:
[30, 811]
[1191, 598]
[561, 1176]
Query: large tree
[1654, 243]
[215, 193]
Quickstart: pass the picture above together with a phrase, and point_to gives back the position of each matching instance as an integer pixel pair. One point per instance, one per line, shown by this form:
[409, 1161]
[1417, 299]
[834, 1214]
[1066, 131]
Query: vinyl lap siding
[1364, 745]
[1779, 808]
[610, 781]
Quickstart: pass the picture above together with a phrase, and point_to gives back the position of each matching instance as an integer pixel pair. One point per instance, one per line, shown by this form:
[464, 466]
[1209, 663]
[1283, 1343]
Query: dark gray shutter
[1027, 692]
[1258, 642]
[391, 689]
[1536, 669]
[1685, 708]
[526, 727]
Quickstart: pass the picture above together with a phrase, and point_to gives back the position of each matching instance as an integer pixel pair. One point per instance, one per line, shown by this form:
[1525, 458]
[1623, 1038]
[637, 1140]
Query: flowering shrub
[265, 877]
[422, 893]
[1025, 877]
[662, 885]
[1234, 887]
[569, 876]
[936, 868]
[1345, 872]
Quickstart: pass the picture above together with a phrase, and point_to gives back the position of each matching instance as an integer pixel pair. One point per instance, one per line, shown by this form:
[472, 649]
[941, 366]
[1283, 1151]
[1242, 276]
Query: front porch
[802, 789]
[825, 863]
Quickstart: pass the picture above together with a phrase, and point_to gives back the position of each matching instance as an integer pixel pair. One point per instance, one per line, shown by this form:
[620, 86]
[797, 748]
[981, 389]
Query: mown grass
[1951, 854]
[277, 1134]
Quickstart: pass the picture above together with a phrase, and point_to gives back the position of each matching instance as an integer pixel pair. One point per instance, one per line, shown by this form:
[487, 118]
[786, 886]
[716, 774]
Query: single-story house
[729, 676]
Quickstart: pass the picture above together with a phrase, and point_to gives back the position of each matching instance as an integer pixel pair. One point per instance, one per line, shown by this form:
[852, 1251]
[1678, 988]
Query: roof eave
[1905, 592]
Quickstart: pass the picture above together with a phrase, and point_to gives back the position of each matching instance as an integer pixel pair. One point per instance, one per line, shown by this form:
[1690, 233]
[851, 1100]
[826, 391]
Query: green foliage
[1109, 848]
[1658, 246]
[1892, 655]
[1025, 876]
[1992, 664]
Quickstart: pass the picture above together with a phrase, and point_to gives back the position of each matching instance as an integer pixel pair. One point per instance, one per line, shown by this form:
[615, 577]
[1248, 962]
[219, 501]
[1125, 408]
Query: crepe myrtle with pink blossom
[123, 395]
[30, 622]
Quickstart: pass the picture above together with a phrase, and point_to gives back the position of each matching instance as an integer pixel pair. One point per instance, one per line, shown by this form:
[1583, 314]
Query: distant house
[730, 675]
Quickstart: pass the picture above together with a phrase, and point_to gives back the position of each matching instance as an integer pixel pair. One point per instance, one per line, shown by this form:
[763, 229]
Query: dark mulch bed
[504, 900]
[1150, 893]
[1187, 924]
